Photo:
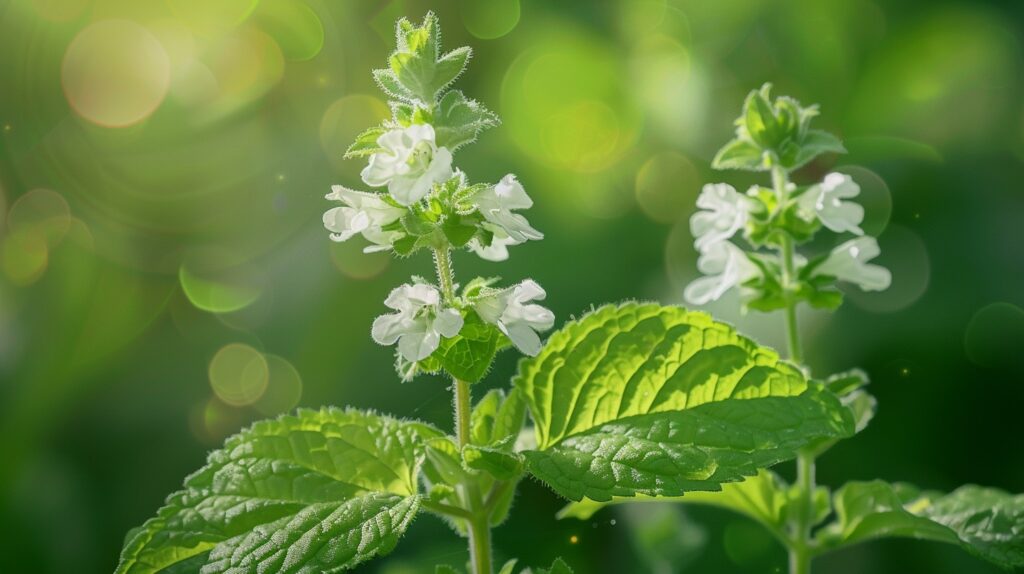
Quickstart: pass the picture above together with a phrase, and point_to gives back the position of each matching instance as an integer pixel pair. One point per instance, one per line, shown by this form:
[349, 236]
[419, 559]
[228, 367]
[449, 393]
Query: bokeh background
[165, 279]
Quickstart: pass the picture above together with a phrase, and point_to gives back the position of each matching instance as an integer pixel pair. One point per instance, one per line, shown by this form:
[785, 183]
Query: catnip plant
[631, 399]
[774, 136]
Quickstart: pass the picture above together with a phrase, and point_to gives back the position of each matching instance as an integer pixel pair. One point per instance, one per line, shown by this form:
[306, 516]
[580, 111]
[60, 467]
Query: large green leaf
[987, 522]
[646, 399]
[315, 492]
[418, 65]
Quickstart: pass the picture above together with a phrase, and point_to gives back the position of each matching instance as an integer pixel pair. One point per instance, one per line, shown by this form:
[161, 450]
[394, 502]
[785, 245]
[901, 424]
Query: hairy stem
[800, 550]
[476, 512]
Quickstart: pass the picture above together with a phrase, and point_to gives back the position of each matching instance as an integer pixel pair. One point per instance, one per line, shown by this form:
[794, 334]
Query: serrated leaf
[468, 355]
[418, 65]
[813, 144]
[557, 567]
[645, 399]
[366, 143]
[508, 567]
[495, 462]
[389, 84]
[338, 486]
[739, 154]
[987, 522]
[497, 418]
[458, 120]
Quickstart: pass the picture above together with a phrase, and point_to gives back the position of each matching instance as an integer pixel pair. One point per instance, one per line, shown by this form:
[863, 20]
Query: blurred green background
[165, 279]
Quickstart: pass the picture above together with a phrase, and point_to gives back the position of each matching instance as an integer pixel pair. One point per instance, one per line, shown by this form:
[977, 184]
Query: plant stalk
[477, 512]
[800, 547]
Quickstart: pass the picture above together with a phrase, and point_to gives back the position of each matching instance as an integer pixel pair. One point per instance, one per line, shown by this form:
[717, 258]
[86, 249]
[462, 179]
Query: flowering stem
[476, 512]
[800, 547]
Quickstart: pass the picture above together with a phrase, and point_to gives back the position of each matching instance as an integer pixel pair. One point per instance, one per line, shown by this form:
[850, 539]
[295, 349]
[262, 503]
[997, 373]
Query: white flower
[849, 262]
[410, 164]
[498, 249]
[726, 213]
[520, 321]
[826, 200]
[363, 213]
[726, 266]
[496, 203]
[419, 323]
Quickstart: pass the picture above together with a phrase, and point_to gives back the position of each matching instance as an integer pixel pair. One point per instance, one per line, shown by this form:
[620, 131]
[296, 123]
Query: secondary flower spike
[410, 163]
[725, 267]
[512, 311]
[826, 200]
[849, 262]
[419, 323]
[723, 212]
[363, 213]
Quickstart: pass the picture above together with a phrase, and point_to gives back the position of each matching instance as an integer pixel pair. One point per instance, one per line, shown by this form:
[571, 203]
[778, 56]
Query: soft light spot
[906, 256]
[210, 18]
[24, 256]
[667, 186]
[995, 336]
[491, 19]
[284, 387]
[115, 73]
[345, 119]
[239, 374]
[41, 211]
[348, 257]
[218, 283]
[294, 25]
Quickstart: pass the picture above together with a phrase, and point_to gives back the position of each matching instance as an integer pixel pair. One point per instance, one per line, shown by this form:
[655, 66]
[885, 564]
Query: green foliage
[321, 490]
[986, 522]
[468, 355]
[458, 119]
[770, 133]
[366, 143]
[645, 399]
[418, 65]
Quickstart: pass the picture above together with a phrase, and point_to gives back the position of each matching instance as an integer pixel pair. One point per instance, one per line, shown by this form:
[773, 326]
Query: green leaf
[508, 567]
[645, 399]
[468, 355]
[321, 490]
[444, 463]
[418, 65]
[739, 154]
[557, 567]
[814, 143]
[459, 229]
[497, 463]
[458, 120]
[389, 84]
[366, 143]
[497, 418]
[987, 522]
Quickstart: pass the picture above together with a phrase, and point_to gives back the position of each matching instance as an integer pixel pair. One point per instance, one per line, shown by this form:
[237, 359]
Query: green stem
[477, 512]
[800, 548]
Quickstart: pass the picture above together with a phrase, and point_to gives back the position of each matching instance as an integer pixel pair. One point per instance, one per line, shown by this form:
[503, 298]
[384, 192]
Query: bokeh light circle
[491, 19]
[348, 257]
[343, 120]
[284, 387]
[904, 253]
[41, 211]
[666, 187]
[216, 282]
[24, 256]
[294, 25]
[995, 336]
[239, 374]
[115, 73]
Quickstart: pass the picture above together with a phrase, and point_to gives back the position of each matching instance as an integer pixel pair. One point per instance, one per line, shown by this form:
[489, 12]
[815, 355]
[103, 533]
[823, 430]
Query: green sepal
[366, 143]
[460, 229]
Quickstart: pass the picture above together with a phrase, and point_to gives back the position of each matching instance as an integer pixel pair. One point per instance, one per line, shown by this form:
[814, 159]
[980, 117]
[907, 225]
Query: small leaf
[417, 64]
[328, 489]
[458, 120]
[739, 154]
[469, 354]
[814, 143]
[497, 463]
[846, 382]
[366, 143]
[508, 567]
[388, 82]
[645, 399]
[458, 229]
[444, 463]
[986, 522]
[557, 567]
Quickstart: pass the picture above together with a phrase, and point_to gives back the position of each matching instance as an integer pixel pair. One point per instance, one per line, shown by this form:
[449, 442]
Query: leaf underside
[646, 399]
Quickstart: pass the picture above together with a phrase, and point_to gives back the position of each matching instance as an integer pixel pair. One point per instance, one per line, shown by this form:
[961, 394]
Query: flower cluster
[772, 220]
[423, 202]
